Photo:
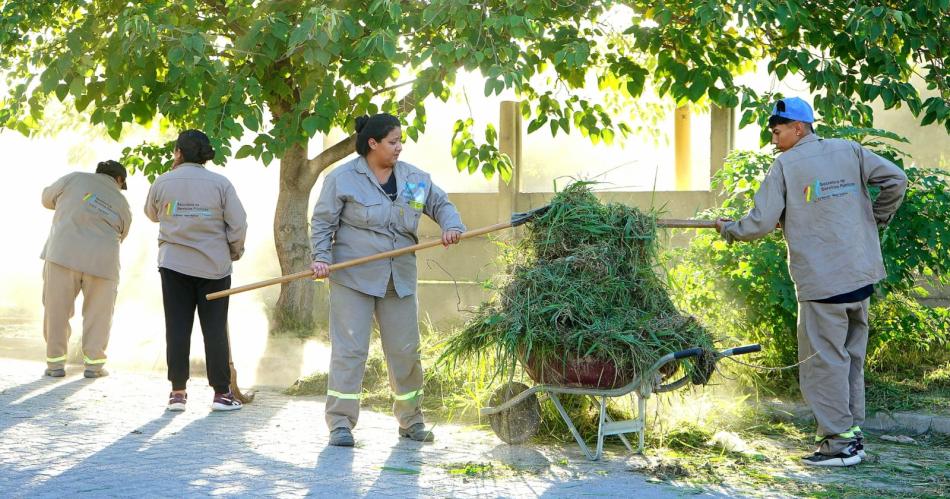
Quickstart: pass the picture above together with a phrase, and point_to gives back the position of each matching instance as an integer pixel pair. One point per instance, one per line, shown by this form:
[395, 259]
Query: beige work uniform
[91, 219]
[354, 218]
[192, 203]
[818, 191]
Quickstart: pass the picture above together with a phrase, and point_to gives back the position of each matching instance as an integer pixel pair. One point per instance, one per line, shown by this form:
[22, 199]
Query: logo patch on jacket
[415, 194]
[98, 205]
[820, 191]
[180, 209]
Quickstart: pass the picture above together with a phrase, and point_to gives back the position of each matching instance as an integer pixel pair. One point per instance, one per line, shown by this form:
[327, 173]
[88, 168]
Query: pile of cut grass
[582, 283]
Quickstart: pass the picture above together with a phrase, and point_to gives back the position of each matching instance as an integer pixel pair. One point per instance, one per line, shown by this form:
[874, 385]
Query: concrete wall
[450, 280]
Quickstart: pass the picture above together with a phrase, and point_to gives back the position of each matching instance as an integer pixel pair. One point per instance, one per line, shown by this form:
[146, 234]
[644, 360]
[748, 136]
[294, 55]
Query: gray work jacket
[92, 218]
[202, 224]
[818, 191]
[354, 218]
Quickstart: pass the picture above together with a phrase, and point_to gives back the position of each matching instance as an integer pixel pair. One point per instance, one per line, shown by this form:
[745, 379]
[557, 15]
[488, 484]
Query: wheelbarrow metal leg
[623, 438]
[641, 416]
[601, 427]
[620, 428]
[570, 426]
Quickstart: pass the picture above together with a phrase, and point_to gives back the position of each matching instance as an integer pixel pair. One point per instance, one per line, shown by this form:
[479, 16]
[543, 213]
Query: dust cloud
[137, 340]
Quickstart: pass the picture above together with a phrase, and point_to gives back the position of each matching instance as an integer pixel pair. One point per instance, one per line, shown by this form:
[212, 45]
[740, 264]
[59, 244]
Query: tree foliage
[285, 70]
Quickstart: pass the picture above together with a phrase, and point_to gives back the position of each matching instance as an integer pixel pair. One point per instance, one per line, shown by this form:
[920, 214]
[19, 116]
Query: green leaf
[244, 151]
[537, 123]
[389, 49]
[461, 161]
[62, 91]
[77, 86]
[402, 471]
[251, 121]
[310, 124]
[698, 88]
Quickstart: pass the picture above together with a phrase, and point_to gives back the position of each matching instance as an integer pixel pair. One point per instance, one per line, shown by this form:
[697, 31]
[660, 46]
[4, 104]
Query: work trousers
[61, 286]
[832, 381]
[351, 318]
[182, 294]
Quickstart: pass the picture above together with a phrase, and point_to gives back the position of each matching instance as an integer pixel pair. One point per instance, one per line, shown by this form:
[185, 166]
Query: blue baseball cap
[793, 108]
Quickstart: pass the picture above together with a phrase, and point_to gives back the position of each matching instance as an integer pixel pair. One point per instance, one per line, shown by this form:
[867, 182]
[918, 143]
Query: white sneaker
[225, 402]
[177, 401]
[847, 457]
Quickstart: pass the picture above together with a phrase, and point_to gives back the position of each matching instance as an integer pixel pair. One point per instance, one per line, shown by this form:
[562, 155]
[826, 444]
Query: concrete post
[682, 151]
[722, 136]
[509, 142]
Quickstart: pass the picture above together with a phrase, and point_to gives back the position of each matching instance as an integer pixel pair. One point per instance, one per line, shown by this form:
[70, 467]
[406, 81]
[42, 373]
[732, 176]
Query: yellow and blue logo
[171, 207]
[812, 192]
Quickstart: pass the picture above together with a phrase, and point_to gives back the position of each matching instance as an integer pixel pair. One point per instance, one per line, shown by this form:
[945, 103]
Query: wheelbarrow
[515, 417]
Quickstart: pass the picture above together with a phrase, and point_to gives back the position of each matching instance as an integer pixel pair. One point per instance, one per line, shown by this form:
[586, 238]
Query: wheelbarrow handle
[691, 352]
[755, 347]
[696, 352]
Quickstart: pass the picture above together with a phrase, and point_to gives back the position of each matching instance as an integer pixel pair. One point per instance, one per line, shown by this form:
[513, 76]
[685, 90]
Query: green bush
[744, 290]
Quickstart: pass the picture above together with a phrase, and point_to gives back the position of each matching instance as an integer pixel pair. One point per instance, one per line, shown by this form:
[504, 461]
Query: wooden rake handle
[667, 223]
[672, 223]
[356, 261]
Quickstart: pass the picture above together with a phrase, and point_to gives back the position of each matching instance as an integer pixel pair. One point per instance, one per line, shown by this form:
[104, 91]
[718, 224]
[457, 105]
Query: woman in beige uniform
[367, 206]
[201, 231]
[82, 253]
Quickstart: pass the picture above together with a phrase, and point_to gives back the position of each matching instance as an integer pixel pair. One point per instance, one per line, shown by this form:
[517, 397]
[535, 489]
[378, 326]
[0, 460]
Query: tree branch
[347, 146]
[331, 155]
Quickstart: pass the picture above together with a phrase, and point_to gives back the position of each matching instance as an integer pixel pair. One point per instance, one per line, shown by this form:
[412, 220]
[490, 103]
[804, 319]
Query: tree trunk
[294, 308]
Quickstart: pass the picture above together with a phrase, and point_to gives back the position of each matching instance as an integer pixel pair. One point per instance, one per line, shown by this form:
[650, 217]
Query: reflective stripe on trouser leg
[60, 288]
[351, 316]
[344, 396]
[399, 332]
[857, 345]
[822, 331]
[98, 304]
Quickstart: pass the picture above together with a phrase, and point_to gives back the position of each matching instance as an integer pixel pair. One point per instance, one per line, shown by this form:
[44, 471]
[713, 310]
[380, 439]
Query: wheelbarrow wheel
[520, 422]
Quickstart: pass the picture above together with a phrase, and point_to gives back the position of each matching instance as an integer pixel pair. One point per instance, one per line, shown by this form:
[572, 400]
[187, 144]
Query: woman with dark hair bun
[193, 146]
[201, 231]
[367, 206]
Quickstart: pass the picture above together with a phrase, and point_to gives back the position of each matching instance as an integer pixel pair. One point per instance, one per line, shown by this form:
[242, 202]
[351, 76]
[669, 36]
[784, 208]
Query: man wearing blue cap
[817, 190]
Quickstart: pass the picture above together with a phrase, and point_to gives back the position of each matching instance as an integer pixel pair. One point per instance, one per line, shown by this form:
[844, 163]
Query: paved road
[111, 437]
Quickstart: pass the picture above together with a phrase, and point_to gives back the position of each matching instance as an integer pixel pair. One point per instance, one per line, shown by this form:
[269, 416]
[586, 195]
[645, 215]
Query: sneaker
[89, 373]
[55, 373]
[859, 446]
[341, 437]
[417, 432]
[847, 457]
[225, 402]
[177, 401]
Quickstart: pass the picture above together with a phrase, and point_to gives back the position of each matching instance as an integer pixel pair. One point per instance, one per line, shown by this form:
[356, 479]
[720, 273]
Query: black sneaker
[847, 457]
[859, 445]
[341, 437]
[417, 432]
[225, 402]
